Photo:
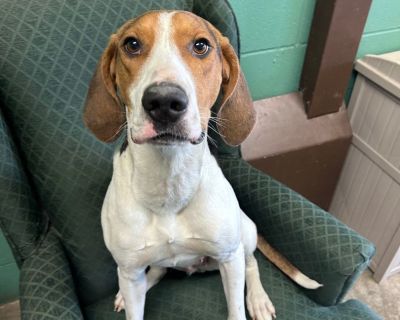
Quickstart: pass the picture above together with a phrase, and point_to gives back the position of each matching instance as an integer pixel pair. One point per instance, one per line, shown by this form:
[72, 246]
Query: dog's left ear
[237, 115]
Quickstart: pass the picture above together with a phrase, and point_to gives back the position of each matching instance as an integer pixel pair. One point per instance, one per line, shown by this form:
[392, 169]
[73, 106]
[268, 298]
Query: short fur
[168, 204]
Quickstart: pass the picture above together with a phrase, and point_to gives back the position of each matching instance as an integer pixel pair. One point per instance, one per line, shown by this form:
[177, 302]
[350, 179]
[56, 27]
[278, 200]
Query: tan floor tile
[10, 311]
[384, 298]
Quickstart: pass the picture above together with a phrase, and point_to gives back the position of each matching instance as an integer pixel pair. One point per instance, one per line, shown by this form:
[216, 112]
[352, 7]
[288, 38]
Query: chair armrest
[20, 220]
[46, 285]
[312, 239]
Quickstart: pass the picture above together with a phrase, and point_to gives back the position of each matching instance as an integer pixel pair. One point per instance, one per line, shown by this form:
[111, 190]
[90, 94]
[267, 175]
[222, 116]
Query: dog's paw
[119, 303]
[259, 305]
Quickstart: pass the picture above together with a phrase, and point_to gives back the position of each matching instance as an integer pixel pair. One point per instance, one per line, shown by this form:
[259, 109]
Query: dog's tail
[285, 266]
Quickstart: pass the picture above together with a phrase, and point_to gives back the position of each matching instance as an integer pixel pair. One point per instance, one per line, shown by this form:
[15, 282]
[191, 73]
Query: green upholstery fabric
[19, 218]
[53, 169]
[200, 297]
[49, 50]
[47, 288]
[318, 244]
[48, 293]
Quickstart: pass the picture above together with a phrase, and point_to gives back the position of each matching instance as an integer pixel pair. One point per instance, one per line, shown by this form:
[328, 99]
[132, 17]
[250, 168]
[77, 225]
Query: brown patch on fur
[205, 70]
[236, 117]
[104, 113]
[128, 67]
[276, 258]
[237, 114]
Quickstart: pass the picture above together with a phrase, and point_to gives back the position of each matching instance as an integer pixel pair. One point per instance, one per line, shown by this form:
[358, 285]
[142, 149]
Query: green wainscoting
[8, 273]
[274, 37]
[382, 32]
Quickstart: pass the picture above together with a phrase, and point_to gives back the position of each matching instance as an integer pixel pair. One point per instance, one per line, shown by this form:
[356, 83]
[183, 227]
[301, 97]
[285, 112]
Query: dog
[168, 204]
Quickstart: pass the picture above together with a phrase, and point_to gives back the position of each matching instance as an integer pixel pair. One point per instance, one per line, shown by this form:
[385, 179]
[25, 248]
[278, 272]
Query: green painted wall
[8, 273]
[274, 37]
[382, 32]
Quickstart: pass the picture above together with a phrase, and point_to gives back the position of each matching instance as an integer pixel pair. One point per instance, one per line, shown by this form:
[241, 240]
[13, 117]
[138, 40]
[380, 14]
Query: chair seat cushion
[201, 296]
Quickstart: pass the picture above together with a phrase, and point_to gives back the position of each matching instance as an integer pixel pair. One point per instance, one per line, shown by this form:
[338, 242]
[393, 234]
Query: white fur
[164, 64]
[171, 206]
[305, 281]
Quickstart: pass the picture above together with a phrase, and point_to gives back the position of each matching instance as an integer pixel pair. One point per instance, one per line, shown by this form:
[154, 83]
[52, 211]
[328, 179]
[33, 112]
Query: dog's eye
[132, 45]
[201, 46]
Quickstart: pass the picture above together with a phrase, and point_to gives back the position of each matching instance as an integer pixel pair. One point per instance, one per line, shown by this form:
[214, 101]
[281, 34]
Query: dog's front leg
[233, 277]
[133, 286]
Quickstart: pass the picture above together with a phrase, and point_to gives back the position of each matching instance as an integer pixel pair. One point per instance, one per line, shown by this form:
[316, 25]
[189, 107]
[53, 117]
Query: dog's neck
[165, 178]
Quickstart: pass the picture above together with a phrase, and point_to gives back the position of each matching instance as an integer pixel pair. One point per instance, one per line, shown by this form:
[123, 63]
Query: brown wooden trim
[311, 171]
[335, 34]
[305, 154]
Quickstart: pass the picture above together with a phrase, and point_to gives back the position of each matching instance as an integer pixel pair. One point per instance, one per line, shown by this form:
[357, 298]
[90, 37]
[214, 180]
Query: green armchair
[54, 174]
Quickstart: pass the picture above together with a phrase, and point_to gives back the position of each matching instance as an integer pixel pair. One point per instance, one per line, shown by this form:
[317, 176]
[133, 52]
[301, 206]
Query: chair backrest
[48, 52]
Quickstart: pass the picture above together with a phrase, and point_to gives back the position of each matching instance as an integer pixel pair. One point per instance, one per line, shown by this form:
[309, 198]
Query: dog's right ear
[103, 114]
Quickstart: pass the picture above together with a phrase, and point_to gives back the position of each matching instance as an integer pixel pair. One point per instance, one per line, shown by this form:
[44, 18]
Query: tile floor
[10, 311]
[384, 298]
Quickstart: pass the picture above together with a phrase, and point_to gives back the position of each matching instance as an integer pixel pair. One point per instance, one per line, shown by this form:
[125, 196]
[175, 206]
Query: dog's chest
[181, 240]
[206, 227]
[144, 225]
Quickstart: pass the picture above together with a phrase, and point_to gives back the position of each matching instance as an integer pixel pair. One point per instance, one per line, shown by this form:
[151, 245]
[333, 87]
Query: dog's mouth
[167, 138]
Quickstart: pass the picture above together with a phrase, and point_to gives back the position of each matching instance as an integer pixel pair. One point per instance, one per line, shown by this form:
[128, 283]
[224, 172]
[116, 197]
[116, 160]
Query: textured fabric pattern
[219, 13]
[319, 244]
[19, 218]
[201, 296]
[48, 52]
[46, 286]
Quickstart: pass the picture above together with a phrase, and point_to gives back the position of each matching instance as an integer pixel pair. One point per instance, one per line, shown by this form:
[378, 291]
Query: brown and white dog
[168, 203]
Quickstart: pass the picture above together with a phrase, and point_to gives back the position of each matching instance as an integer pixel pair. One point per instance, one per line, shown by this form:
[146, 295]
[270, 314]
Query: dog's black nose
[165, 102]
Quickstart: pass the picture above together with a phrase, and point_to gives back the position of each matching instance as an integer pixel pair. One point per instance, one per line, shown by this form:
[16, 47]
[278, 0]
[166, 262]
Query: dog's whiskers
[216, 131]
[120, 129]
[212, 141]
[218, 120]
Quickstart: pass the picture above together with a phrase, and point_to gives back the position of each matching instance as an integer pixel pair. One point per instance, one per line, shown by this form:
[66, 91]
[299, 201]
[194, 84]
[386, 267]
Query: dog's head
[160, 75]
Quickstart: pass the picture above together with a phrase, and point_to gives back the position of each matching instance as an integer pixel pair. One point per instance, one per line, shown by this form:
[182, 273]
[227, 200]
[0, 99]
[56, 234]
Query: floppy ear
[103, 113]
[237, 115]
